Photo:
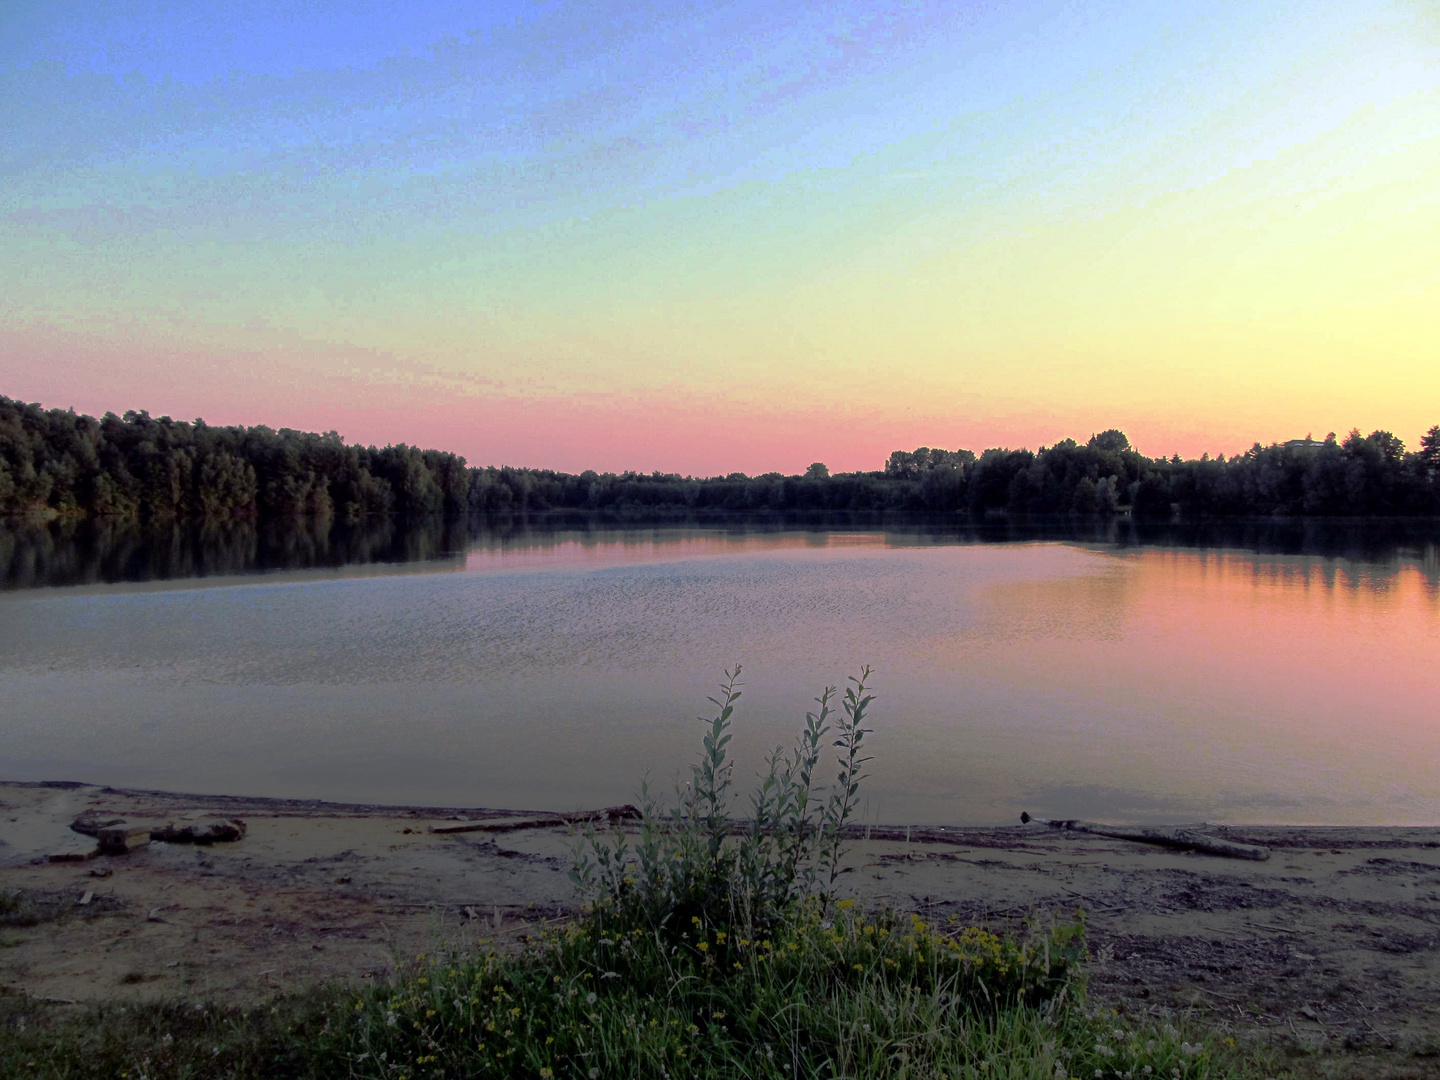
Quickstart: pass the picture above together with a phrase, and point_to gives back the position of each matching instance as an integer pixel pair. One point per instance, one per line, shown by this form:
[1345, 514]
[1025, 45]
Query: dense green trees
[137, 467]
[141, 467]
[1364, 476]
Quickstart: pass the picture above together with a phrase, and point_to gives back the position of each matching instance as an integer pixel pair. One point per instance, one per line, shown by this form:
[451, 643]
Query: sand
[1331, 944]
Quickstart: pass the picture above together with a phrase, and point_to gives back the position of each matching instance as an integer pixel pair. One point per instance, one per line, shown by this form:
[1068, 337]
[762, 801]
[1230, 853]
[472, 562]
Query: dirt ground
[1330, 949]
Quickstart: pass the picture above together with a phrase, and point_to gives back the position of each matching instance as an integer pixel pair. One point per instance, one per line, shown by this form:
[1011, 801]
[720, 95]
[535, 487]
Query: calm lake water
[1100, 675]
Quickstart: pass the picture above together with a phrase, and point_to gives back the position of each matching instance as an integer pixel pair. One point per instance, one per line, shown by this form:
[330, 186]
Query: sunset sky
[706, 238]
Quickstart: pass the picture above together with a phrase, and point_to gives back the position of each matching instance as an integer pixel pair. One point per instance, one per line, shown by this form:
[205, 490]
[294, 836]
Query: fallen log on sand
[117, 836]
[204, 831]
[540, 821]
[1164, 835]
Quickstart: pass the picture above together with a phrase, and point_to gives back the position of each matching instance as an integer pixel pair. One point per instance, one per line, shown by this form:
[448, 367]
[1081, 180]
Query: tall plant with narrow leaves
[694, 861]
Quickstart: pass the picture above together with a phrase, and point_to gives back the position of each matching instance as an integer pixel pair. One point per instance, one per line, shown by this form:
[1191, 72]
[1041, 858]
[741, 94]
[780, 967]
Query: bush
[693, 862]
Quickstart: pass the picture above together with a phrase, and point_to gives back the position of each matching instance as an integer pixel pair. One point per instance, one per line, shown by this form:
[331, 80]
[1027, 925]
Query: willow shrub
[692, 863]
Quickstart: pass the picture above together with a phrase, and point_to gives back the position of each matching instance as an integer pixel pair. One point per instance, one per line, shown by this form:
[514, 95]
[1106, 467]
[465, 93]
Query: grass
[287, 1037]
[705, 950]
[853, 995]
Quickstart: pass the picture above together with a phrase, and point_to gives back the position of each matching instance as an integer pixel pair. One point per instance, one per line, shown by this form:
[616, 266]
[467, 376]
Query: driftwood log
[117, 836]
[543, 821]
[121, 838]
[90, 823]
[206, 831]
[1165, 835]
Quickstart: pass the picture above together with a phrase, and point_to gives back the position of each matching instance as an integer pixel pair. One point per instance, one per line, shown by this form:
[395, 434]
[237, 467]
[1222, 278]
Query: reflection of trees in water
[1383, 547]
[97, 551]
[89, 552]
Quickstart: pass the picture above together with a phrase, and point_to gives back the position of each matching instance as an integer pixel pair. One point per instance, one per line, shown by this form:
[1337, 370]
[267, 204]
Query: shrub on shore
[693, 864]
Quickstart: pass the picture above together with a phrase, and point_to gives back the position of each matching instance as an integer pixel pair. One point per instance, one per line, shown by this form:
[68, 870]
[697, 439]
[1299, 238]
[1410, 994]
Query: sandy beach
[1333, 943]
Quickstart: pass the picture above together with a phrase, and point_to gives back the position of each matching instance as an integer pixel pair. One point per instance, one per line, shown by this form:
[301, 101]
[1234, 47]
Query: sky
[706, 238]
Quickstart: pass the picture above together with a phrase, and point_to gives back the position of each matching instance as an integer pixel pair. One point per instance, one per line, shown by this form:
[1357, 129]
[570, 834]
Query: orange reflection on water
[1342, 647]
[586, 551]
[1241, 674]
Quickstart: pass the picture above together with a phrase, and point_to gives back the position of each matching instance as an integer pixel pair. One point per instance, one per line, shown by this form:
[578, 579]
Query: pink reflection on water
[654, 546]
[1249, 676]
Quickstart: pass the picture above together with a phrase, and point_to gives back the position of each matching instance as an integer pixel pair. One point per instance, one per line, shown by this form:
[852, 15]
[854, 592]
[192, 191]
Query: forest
[59, 464]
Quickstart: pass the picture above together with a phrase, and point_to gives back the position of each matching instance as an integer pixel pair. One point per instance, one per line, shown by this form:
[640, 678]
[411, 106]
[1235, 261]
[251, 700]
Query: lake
[1080, 670]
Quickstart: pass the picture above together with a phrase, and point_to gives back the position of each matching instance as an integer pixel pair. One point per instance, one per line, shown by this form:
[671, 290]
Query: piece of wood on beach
[90, 823]
[539, 821]
[496, 825]
[1173, 836]
[75, 853]
[123, 837]
[209, 830]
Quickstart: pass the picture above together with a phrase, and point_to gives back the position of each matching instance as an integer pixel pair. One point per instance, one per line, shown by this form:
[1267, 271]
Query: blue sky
[973, 219]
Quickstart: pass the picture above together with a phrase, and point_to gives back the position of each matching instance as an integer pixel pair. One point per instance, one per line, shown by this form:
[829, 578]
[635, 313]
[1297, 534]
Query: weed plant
[692, 864]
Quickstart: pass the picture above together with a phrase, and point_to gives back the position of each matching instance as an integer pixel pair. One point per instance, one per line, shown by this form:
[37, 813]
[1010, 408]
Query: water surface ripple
[1137, 683]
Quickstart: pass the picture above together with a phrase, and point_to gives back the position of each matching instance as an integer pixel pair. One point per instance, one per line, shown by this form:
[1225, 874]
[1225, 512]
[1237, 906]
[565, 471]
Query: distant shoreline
[145, 468]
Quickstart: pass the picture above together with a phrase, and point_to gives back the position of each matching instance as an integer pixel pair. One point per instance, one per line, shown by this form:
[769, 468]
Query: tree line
[147, 468]
[57, 463]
